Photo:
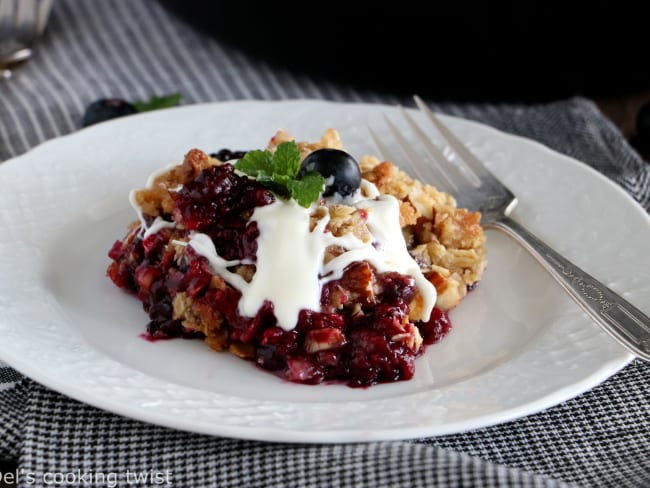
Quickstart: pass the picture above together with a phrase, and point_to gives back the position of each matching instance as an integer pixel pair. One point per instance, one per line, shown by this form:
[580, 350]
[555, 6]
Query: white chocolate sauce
[290, 272]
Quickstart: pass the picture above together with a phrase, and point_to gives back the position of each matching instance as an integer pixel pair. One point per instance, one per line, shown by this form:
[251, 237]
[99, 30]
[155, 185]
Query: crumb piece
[158, 199]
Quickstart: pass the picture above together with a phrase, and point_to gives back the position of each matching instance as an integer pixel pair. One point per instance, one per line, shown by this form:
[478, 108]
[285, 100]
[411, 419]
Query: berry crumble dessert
[314, 266]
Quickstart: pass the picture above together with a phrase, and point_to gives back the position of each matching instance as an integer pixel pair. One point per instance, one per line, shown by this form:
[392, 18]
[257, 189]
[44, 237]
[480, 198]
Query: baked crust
[447, 242]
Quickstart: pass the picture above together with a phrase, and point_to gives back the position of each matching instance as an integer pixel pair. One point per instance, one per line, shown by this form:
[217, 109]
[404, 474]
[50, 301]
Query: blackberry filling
[363, 333]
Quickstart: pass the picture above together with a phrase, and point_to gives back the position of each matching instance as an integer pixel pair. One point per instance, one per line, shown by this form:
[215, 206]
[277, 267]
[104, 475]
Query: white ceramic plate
[518, 345]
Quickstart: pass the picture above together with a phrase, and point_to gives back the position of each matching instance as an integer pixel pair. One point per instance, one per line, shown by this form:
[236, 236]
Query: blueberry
[106, 109]
[226, 154]
[339, 164]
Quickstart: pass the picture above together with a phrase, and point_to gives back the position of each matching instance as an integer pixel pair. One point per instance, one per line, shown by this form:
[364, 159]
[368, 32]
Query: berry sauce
[360, 337]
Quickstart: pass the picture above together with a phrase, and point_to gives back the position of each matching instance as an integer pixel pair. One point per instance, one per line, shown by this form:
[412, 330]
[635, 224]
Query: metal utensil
[21, 23]
[476, 188]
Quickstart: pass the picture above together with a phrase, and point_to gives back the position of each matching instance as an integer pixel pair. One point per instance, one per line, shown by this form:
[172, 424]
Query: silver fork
[481, 191]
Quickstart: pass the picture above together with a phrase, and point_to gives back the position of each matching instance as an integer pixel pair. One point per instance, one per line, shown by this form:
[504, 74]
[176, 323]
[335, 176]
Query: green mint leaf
[279, 172]
[257, 163]
[308, 189]
[278, 184]
[156, 102]
[286, 159]
[282, 180]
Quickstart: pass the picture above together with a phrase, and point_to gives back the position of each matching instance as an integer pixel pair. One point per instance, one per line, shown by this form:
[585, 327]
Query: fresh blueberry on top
[339, 164]
[106, 109]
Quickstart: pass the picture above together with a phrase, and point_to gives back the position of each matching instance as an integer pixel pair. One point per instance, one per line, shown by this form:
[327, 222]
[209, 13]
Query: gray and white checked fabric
[136, 49]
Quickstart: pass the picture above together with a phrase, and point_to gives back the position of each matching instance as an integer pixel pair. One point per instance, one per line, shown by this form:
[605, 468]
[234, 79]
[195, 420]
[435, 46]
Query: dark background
[527, 51]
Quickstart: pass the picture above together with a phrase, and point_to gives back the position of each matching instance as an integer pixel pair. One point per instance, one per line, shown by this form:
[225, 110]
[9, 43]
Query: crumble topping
[446, 241]
[364, 308]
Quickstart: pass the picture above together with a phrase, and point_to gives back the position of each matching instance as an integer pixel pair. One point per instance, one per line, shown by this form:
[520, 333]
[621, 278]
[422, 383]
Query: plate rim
[342, 435]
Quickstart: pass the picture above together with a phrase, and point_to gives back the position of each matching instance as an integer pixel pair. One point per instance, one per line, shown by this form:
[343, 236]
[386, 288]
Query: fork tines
[454, 170]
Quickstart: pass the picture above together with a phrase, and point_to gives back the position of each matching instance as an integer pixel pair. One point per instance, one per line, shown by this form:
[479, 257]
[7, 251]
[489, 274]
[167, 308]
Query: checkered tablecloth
[137, 49]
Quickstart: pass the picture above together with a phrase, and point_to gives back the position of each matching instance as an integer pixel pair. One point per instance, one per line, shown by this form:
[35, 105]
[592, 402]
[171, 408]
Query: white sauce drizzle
[290, 272]
[159, 223]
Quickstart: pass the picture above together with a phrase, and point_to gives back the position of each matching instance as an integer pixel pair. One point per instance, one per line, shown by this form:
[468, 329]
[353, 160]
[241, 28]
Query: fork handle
[618, 317]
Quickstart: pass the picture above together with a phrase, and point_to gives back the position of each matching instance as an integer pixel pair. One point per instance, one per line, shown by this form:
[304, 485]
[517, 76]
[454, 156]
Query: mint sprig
[258, 164]
[279, 171]
[307, 189]
[156, 102]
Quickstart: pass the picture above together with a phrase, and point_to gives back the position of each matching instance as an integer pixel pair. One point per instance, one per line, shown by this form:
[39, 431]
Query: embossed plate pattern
[519, 345]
